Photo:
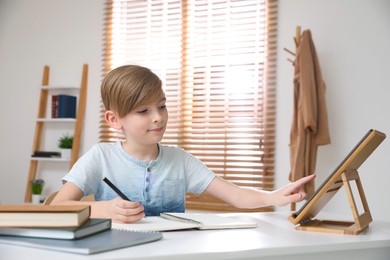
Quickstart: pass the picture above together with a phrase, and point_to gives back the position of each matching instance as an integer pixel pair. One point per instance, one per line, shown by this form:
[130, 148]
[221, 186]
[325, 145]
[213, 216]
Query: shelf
[57, 120]
[65, 88]
[51, 159]
[44, 121]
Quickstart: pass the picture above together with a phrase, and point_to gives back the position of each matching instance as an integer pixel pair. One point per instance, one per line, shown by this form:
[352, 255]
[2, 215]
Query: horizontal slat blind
[217, 60]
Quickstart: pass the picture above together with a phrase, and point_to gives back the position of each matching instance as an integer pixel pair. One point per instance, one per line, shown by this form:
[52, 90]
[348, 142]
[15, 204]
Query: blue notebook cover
[101, 242]
[66, 106]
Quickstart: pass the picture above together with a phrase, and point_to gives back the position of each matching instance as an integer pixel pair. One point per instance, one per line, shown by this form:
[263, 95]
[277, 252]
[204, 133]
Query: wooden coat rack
[297, 40]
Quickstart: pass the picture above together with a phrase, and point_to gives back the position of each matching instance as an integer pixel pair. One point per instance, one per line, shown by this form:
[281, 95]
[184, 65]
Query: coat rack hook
[297, 37]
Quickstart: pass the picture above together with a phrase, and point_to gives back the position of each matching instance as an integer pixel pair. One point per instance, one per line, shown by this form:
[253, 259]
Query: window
[217, 60]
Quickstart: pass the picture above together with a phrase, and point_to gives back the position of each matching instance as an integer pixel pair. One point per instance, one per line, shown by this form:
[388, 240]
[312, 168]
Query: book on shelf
[100, 242]
[48, 154]
[43, 215]
[92, 226]
[66, 106]
[182, 221]
[54, 106]
[63, 106]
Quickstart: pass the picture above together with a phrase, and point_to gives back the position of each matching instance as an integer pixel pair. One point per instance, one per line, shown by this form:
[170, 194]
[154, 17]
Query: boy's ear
[112, 120]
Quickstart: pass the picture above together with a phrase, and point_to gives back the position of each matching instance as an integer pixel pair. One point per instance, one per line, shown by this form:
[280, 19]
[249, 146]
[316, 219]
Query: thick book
[54, 106]
[182, 221]
[101, 242]
[66, 106]
[43, 215]
[92, 226]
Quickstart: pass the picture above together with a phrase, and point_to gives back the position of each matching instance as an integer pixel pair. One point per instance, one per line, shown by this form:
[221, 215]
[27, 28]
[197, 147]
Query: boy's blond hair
[127, 87]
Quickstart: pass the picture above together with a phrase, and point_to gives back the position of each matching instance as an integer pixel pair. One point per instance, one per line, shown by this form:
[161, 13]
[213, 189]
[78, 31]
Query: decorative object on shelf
[65, 143]
[36, 188]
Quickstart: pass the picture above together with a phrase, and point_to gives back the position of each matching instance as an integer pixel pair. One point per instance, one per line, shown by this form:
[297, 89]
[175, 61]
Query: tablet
[364, 148]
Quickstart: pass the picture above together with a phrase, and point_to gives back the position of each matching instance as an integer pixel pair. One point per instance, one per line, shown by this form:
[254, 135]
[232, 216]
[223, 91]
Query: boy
[154, 177]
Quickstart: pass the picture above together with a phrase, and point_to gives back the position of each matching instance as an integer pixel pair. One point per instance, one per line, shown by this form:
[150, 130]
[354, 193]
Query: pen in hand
[112, 186]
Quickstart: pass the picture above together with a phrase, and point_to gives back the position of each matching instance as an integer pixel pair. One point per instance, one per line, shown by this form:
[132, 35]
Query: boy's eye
[142, 111]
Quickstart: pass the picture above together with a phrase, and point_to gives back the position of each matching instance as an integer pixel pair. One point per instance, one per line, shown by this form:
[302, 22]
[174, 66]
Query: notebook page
[154, 224]
[214, 221]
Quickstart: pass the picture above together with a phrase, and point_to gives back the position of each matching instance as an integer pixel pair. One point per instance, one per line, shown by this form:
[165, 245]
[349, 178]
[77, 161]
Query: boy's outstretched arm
[251, 198]
[118, 209]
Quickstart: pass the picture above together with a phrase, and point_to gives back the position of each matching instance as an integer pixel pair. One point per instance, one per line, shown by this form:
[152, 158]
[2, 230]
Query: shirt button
[147, 189]
[147, 179]
[148, 169]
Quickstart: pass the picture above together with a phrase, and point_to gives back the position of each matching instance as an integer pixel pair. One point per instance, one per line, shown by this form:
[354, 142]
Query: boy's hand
[292, 192]
[124, 211]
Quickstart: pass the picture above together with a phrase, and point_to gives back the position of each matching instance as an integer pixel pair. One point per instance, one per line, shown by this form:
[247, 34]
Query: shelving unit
[43, 119]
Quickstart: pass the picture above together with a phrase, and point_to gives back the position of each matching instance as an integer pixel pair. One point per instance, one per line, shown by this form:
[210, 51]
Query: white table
[274, 238]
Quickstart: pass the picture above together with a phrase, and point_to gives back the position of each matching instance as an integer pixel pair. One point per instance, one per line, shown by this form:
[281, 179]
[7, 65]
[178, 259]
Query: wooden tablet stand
[343, 175]
[361, 221]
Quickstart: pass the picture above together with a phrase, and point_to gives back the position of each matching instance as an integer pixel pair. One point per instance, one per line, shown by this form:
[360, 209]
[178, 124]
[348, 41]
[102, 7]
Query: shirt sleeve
[85, 172]
[198, 175]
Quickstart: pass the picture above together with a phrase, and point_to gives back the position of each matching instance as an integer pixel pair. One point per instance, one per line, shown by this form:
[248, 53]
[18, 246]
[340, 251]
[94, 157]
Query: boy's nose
[156, 117]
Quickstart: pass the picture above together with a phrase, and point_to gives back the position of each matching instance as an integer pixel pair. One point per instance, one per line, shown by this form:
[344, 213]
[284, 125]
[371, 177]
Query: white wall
[63, 35]
[351, 37]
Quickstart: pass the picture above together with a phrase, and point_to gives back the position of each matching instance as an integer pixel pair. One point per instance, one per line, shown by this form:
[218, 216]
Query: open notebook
[182, 221]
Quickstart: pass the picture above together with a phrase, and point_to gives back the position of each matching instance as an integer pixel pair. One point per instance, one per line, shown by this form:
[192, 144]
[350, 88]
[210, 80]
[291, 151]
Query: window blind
[217, 60]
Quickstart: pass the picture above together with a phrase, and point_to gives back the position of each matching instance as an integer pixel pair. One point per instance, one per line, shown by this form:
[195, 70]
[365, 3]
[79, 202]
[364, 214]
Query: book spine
[54, 106]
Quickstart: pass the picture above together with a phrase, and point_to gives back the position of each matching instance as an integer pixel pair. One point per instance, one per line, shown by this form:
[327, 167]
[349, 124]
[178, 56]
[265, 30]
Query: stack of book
[60, 222]
[64, 228]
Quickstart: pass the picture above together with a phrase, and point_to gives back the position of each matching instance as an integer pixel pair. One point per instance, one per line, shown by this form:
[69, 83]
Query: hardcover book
[43, 215]
[54, 106]
[66, 106]
[92, 226]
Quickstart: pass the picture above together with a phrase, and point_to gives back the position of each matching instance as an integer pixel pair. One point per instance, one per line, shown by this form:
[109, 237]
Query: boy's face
[146, 124]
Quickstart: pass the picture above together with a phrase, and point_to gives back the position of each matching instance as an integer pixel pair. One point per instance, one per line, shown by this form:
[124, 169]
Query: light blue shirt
[159, 185]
